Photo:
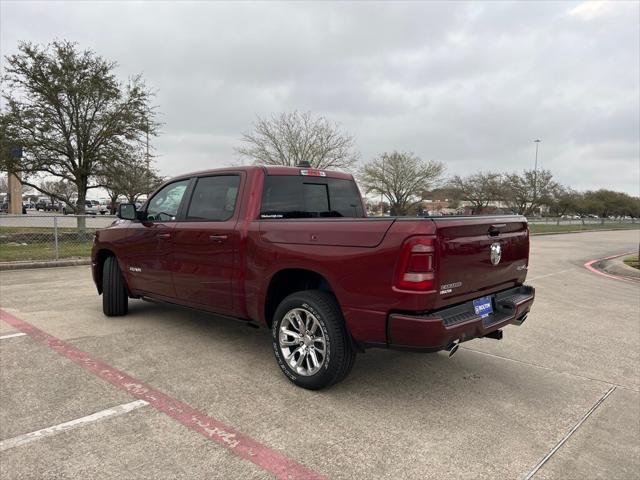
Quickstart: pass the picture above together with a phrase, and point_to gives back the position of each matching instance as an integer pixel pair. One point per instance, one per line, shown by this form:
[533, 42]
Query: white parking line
[12, 335]
[550, 274]
[63, 427]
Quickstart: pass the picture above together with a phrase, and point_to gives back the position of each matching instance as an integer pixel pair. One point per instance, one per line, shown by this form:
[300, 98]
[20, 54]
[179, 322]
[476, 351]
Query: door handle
[218, 238]
[164, 236]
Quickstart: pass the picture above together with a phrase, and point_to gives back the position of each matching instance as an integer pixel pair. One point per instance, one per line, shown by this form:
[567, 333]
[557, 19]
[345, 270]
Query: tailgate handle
[164, 236]
[494, 230]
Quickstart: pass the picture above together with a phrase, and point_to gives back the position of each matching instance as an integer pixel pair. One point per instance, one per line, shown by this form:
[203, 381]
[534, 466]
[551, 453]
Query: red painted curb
[589, 266]
[214, 430]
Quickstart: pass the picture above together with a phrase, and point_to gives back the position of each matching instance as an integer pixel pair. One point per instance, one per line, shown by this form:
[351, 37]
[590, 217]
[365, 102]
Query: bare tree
[400, 177]
[68, 111]
[142, 183]
[111, 180]
[60, 191]
[525, 193]
[131, 178]
[478, 189]
[291, 138]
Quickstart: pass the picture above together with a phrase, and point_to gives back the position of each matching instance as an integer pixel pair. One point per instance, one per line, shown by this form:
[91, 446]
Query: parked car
[53, 206]
[291, 249]
[4, 208]
[93, 207]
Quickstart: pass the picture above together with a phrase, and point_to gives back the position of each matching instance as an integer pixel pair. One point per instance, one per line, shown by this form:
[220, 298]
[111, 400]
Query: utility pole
[148, 172]
[381, 196]
[535, 172]
[14, 184]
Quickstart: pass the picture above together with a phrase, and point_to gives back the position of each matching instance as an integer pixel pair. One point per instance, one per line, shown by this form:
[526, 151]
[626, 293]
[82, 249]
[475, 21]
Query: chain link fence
[587, 221]
[38, 236]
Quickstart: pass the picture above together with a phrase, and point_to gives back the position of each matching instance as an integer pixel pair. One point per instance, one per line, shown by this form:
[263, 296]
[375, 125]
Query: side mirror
[127, 211]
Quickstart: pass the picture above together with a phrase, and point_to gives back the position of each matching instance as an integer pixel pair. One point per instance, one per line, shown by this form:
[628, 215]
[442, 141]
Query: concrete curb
[44, 264]
[609, 267]
[616, 266]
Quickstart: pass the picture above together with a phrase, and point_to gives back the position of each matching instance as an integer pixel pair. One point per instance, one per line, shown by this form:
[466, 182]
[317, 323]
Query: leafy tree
[291, 138]
[605, 203]
[400, 177]
[525, 193]
[69, 112]
[478, 189]
[562, 201]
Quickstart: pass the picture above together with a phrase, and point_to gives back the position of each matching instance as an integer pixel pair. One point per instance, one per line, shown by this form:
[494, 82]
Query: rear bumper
[439, 329]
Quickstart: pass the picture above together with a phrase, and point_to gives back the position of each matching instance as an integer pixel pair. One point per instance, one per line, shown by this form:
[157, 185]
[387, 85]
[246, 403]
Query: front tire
[310, 340]
[115, 301]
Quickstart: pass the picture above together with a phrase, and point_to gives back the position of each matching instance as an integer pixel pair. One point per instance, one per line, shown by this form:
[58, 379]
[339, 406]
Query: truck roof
[269, 170]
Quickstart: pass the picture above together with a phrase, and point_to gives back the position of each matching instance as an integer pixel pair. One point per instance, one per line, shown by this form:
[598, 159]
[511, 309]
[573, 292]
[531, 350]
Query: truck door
[149, 263]
[205, 244]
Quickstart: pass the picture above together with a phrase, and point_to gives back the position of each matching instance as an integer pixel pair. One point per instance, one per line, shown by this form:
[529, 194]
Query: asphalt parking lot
[217, 406]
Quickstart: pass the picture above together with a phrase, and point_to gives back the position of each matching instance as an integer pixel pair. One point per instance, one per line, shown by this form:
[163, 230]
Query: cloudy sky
[468, 83]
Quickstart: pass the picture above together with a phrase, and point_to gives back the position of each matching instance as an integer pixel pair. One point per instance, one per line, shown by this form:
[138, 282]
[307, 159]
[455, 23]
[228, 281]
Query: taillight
[416, 268]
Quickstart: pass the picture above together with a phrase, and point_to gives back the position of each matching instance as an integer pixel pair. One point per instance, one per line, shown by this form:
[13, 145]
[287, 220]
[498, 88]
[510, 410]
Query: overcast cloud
[469, 84]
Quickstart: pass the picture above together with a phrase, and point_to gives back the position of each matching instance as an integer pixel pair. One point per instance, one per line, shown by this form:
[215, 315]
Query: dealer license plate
[483, 306]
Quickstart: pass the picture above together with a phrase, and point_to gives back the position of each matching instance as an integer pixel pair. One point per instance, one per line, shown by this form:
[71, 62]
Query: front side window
[164, 205]
[214, 198]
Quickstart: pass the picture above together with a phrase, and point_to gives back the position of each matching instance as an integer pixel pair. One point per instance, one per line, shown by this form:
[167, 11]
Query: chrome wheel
[302, 341]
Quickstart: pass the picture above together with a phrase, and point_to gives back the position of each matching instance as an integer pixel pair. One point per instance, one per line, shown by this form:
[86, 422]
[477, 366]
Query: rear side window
[309, 197]
[214, 198]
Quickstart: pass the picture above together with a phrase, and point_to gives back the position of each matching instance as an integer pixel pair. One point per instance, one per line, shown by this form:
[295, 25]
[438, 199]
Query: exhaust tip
[453, 348]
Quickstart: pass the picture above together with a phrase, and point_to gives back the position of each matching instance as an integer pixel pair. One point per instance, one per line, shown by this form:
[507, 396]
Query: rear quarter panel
[360, 276]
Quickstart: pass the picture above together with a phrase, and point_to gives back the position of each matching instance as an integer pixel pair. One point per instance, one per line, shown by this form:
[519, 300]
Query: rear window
[309, 197]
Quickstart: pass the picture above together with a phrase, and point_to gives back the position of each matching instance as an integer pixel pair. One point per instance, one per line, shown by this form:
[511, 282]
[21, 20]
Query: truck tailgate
[480, 255]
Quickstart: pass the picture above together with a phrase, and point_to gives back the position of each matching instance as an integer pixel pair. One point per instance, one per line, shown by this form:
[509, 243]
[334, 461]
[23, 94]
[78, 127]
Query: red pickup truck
[292, 249]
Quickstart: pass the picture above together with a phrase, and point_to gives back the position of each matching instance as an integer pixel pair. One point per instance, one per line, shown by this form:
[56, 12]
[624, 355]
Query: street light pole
[148, 159]
[535, 172]
[381, 196]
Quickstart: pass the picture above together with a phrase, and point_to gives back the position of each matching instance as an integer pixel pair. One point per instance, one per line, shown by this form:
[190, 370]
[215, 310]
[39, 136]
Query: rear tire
[115, 301]
[322, 354]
